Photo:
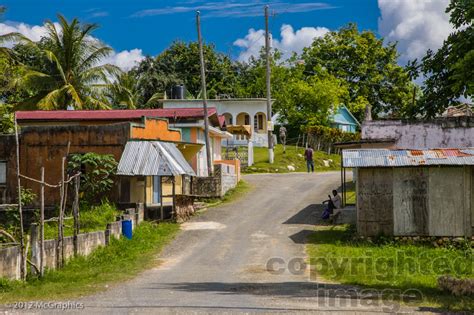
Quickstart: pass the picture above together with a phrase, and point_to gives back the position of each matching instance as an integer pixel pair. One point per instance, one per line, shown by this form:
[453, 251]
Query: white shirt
[336, 200]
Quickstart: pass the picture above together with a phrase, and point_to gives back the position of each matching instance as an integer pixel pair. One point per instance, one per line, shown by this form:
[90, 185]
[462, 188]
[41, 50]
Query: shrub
[97, 172]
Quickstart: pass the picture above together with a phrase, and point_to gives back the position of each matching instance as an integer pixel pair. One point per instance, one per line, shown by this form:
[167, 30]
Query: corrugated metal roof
[394, 158]
[113, 114]
[153, 158]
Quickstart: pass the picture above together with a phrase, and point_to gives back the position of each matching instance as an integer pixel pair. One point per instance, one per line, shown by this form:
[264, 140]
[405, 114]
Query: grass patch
[350, 193]
[121, 260]
[293, 157]
[91, 219]
[232, 195]
[337, 258]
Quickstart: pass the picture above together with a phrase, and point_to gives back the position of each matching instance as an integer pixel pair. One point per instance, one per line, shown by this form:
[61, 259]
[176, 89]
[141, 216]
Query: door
[156, 189]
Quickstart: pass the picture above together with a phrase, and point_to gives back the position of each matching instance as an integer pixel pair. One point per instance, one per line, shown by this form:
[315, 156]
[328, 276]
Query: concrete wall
[434, 201]
[374, 188]
[410, 188]
[10, 259]
[86, 244]
[453, 132]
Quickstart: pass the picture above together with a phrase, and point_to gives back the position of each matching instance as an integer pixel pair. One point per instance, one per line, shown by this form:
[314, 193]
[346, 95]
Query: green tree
[179, 64]
[368, 67]
[449, 72]
[64, 68]
[309, 100]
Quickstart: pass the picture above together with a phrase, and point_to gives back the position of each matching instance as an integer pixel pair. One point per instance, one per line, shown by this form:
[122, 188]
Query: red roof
[117, 114]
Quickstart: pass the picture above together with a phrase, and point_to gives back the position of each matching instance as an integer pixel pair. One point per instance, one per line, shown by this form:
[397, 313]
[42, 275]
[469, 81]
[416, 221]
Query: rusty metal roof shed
[153, 158]
[400, 158]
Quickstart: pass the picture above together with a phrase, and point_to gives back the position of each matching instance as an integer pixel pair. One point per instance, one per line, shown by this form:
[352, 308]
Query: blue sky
[146, 27]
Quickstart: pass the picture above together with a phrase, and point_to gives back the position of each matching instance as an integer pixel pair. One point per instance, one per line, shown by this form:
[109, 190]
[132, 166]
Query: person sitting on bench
[336, 201]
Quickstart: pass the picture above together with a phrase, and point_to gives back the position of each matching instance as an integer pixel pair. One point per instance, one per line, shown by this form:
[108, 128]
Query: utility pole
[269, 94]
[204, 95]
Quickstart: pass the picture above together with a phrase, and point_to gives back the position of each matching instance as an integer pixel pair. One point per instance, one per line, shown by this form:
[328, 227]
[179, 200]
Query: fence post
[35, 250]
[108, 233]
[75, 210]
[41, 261]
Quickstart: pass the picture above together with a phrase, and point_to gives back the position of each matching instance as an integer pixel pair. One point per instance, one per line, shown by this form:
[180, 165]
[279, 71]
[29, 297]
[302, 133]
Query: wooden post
[41, 262]
[204, 96]
[59, 249]
[344, 188]
[162, 213]
[20, 211]
[174, 197]
[75, 210]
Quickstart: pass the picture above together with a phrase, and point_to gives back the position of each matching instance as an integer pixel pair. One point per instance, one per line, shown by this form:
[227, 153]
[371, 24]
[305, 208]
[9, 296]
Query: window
[3, 173]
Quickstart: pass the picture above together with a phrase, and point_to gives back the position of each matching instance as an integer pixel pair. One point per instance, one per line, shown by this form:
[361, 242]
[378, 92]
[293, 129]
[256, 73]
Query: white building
[237, 112]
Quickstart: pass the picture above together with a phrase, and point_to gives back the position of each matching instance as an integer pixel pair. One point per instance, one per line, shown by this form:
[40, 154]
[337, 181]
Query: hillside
[293, 158]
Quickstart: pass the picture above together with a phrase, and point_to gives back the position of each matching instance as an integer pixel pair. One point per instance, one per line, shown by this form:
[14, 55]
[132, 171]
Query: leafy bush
[6, 119]
[323, 138]
[97, 172]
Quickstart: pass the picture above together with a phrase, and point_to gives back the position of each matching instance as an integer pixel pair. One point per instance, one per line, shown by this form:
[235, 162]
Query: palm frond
[52, 100]
[53, 58]
[95, 57]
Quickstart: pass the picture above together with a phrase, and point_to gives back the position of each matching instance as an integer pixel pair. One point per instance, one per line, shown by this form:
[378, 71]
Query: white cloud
[290, 41]
[125, 59]
[416, 25]
[34, 32]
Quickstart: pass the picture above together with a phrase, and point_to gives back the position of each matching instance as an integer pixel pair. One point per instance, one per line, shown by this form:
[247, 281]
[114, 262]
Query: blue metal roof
[153, 158]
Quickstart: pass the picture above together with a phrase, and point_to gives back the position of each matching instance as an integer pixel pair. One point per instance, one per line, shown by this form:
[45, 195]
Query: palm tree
[71, 74]
[125, 93]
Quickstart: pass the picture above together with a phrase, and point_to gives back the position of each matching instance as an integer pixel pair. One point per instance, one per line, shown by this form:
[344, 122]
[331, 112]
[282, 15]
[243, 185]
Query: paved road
[218, 263]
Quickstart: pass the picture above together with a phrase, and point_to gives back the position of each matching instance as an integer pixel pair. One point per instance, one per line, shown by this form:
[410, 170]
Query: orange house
[48, 136]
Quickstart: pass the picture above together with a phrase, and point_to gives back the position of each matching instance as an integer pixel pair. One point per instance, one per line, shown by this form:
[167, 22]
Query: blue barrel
[127, 228]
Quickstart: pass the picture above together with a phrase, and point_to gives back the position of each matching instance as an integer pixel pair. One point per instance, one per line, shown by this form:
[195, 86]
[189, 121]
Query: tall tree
[65, 69]
[367, 65]
[449, 72]
[179, 64]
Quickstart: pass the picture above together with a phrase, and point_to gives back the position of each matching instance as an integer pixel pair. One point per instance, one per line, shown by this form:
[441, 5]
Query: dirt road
[223, 259]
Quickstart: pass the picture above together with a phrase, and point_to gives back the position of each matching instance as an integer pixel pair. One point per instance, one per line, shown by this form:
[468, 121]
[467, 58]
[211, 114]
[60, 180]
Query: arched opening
[260, 122]
[228, 119]
[243, 119]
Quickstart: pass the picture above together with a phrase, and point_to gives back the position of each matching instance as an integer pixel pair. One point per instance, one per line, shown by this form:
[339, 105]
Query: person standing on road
[308, 155]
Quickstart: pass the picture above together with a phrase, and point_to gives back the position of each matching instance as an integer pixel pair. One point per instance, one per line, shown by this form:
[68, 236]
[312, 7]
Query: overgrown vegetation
[97, 171]
[121, 260]
[91, 218]
[294, 157]
[381, 264]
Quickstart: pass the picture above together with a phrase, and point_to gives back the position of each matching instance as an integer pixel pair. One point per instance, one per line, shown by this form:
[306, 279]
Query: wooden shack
[413, 192]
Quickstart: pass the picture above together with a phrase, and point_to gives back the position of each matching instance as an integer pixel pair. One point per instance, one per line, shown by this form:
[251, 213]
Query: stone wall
[10, 259]
[452, 132]
[223, 179]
